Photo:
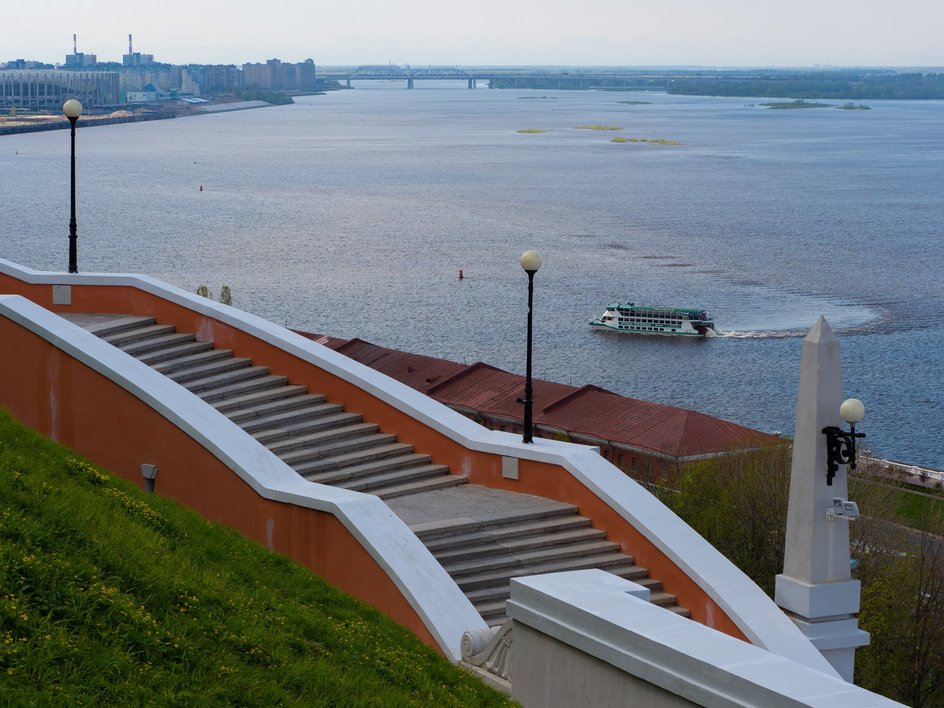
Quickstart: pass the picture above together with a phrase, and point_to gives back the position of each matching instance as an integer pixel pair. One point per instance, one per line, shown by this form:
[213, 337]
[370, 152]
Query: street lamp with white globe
[841, 444]
[530, 262]
[73, 109]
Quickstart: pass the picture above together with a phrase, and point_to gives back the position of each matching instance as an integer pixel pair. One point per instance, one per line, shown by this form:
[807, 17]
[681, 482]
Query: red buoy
[460, 275]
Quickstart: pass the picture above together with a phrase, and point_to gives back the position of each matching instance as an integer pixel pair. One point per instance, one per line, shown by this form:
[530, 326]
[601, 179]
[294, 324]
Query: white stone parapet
[586, 638]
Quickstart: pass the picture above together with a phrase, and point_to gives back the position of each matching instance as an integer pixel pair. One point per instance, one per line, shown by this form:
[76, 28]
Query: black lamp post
[73, 109]
[531, 262]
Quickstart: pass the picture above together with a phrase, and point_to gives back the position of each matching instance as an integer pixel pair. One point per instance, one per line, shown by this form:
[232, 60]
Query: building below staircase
[642, 438]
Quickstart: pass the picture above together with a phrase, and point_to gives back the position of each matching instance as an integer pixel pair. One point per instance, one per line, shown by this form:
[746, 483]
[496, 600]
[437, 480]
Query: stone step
[284, 404]
[189, 347]
[358, 459]
[499, 533]
[427, 484]
[315, 472]
[209, 369]
[146, 346]
[465, 567]
[308, 426]
[226, 379]
[502, 591]
[427, 533]
[254, 398]
[191, 359]
[494, 610]
[681, 611]
[489, 594]
[491, 603]
[333, 447]
[517, 545]
[662, 598]
[651, 584]
[323, 437]
[281, 419]
[129, 336]
[393, 478]
[119, 324]
[607, 561]
[243, 387]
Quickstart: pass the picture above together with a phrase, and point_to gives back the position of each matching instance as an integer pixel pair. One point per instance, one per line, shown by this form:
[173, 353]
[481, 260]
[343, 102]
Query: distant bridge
[511, 78]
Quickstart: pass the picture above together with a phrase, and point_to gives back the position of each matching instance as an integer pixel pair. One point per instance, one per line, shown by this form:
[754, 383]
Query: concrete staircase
[482, 537]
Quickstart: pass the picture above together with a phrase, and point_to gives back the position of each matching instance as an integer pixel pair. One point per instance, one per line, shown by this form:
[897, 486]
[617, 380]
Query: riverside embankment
[10, 125]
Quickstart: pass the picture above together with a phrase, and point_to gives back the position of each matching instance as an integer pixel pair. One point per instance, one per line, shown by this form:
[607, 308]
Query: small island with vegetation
[636, 103]
[650, 141]
[531, 130]
[597, 126]
[800, 103]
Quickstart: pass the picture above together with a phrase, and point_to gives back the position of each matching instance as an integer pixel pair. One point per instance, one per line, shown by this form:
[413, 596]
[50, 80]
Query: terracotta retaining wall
[64, 399]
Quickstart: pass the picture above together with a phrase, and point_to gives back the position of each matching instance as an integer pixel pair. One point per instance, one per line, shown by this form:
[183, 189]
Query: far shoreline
[39, 123]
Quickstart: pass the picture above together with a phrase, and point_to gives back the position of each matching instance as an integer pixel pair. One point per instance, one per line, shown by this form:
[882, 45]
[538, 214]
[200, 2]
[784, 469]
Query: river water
[351, 214]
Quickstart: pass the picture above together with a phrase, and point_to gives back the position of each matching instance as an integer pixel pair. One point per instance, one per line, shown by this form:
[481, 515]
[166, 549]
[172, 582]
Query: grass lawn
[109, 596]
[915, 506]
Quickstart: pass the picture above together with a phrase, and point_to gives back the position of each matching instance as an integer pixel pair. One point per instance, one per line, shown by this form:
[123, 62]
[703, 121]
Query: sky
[722, 33]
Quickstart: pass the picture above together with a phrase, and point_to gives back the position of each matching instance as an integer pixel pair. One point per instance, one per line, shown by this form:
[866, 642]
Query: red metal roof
[588, 411]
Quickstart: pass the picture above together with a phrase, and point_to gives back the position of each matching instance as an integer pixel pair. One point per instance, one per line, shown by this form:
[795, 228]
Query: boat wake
[768, 334]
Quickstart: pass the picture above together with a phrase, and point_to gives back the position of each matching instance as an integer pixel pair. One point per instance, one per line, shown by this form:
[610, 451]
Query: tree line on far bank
[835, 85]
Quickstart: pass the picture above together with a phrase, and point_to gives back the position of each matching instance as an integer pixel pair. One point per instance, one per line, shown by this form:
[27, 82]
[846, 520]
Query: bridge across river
[524, 78]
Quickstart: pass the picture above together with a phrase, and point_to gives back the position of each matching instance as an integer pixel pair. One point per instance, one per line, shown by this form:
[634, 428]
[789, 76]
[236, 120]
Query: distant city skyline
[724, 33]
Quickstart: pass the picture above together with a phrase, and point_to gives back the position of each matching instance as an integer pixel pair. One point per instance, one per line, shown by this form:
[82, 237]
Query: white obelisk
[816, 588]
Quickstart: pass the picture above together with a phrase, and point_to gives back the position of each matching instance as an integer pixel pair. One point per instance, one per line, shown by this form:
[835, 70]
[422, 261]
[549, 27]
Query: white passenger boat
[646, 319]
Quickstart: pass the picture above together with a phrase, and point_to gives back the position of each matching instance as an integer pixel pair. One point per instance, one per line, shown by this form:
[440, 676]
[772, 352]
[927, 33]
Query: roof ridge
[459, 374]
[576, 393]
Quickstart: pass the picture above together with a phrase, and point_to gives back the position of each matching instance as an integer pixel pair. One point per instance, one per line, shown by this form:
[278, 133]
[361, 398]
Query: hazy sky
[595, 32]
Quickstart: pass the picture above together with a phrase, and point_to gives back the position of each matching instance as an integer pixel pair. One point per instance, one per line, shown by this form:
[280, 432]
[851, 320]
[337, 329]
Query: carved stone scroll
[489, 649]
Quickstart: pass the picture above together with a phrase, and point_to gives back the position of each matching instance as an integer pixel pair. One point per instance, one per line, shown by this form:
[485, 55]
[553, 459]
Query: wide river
[351, 214]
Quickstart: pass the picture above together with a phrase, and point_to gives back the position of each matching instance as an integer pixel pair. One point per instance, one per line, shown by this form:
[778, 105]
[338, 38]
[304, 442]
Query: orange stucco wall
[62, 398]
[550, 481]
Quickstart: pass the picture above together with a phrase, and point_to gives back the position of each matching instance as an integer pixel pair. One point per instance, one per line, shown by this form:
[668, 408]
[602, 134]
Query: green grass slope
[109, 596]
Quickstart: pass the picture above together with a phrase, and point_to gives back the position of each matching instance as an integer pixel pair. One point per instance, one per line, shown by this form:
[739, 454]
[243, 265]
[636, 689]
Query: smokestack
[75, 49]
[129, 45]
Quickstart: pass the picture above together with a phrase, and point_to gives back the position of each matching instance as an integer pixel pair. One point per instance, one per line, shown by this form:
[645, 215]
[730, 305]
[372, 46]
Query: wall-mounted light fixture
[149, 472]
[842, 509]
[840, 444]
